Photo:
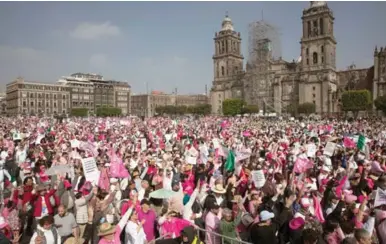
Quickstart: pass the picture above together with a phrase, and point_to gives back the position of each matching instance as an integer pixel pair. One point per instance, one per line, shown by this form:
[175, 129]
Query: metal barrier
[216, 237]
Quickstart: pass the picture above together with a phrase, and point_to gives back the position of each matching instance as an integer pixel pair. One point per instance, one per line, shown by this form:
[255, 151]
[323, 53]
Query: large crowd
[188, 180]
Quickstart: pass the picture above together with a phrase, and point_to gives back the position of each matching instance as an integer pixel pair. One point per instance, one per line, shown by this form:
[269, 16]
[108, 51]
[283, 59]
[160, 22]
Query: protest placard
[311, 150]
[90, 170]
[380, 198]
[143, 144]
[258, 178]
[329, 149]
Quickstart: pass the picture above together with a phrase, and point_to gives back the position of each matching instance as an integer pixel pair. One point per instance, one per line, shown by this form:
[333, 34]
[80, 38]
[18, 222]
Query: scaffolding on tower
[264, 48]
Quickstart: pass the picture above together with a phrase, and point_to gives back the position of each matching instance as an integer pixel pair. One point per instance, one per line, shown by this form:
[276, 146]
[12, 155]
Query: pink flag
[349, 143]
[302, 164]
[318, 210]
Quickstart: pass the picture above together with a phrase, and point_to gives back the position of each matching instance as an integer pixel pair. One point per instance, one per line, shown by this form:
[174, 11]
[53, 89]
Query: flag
[361, 142]
[230, 163]
[348, 142]
[302, 165]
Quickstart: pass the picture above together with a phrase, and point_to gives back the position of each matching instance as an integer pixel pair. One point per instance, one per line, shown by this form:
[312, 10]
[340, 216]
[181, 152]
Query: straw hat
[218, 189]
[106, 229]
[72, 240]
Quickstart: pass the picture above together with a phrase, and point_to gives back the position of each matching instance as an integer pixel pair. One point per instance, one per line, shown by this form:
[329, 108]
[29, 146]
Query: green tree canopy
[79, 112]
[250, 109]
[380, 103]
[108, 111]
[232, 107]
[307, 108]
[357, 100]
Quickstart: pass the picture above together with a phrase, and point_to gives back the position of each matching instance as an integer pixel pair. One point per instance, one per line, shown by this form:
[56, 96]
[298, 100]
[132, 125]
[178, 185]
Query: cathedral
[274, 84]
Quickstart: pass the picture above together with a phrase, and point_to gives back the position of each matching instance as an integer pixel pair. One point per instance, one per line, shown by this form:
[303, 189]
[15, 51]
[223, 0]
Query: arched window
[315, 58]
[222, 70]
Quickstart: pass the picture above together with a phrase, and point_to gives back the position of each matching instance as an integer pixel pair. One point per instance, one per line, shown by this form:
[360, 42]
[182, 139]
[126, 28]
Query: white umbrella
[57, 169]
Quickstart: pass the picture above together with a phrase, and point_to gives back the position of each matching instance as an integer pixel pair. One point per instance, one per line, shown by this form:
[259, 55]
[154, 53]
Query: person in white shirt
[46, 232]
[134, 230]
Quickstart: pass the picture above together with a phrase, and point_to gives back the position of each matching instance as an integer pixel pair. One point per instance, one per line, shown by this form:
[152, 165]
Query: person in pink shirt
[149, 217]
[110, 234]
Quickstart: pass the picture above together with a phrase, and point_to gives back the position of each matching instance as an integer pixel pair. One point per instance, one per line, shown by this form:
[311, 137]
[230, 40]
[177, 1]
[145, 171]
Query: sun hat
[106, 229]
[218, 188]
[265, 215]
[72, 240]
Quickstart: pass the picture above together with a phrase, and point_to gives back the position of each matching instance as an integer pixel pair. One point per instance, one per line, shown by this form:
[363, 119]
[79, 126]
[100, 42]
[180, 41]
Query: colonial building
[146, 104]
[75, 91]
[273, 83]
[35, 98]
[379, 82]
[228, 66]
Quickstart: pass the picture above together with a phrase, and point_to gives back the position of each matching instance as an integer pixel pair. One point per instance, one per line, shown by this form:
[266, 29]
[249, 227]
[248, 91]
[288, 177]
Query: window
[309, 29]
[322, 49]
[64, 105]
[54, 105]
[54, 96]
[315, 58]
[313, 88]
[314, 102]
[307, 51]
[313, 95]
[31, 95]
[24, 104]
[64, 96]
[308, 61]
[321, 27]
[47, 96]
[322, 60]
[222, 70]
[32, 104]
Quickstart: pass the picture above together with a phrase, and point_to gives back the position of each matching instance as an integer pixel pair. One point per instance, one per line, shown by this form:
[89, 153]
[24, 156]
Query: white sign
[258, 178]
[329, 149]
[143, 144]
[191, 160]
[241, 155]
[168, 137]
[90, 170]
[380, 198]
[216, 143]
[311, 150]
[75, 143]
[193, 152]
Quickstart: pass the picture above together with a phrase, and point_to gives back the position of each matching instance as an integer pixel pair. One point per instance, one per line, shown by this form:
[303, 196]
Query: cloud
[98, 61]
[90, 31]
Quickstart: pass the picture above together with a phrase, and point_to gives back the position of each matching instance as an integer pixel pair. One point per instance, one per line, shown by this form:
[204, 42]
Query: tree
[307, 108]
[79, 112]
[356, 101]
[380, 104]
[232, 107]
[250, 109]
[108, 111]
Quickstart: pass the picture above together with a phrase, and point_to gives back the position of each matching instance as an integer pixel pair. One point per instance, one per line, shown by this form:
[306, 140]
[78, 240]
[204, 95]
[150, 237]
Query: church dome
[227, 24]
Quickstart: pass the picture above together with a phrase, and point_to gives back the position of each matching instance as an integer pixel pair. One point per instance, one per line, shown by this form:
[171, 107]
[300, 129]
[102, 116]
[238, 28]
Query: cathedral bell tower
[318, 44]
[318, 50]
[227, 62]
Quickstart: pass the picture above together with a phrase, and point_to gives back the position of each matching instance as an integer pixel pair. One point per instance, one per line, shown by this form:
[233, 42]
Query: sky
[165, 45]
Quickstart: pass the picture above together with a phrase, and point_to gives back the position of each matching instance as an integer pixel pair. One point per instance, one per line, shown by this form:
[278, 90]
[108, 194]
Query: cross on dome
[227, 23]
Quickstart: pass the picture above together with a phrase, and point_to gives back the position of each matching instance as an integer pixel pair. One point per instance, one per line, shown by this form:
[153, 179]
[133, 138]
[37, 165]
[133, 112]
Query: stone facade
[145, 104]
[228, 66]
[273, 84]
[379, 82]
[76, 91]
[32, 98]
